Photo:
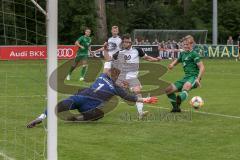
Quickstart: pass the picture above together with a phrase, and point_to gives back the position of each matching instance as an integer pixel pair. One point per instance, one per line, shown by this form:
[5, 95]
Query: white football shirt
[114, 45]
[130, 61]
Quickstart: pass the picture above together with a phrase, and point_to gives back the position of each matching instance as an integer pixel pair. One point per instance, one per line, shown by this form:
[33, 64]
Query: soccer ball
[196, 102]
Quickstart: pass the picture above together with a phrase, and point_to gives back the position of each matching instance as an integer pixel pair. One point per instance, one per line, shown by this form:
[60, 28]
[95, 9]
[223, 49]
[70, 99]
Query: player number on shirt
[99, 87]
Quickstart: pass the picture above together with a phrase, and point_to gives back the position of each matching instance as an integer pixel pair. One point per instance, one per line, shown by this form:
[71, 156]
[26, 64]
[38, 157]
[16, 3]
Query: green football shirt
[85, 42]
[189, 60]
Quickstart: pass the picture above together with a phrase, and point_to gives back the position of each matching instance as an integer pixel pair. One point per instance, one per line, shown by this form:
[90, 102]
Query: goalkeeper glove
[150, 100]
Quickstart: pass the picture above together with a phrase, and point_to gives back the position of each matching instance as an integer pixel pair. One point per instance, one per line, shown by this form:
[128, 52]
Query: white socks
[139, 105]
[43, 116]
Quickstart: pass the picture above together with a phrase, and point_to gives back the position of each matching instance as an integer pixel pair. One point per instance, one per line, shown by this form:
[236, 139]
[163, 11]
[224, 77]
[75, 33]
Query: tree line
[100, 15]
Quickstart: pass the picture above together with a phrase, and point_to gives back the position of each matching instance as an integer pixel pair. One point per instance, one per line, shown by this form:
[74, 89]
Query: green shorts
[191, 79]
[81, 57]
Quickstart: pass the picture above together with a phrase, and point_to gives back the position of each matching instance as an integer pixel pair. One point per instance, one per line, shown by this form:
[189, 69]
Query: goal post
[25, 84]
[52, 39]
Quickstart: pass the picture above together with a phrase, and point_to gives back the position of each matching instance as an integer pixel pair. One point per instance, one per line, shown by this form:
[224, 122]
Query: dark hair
[126, 36]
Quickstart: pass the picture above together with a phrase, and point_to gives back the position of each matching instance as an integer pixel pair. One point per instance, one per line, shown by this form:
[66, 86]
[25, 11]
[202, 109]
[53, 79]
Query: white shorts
[131, 83]
[108, 65]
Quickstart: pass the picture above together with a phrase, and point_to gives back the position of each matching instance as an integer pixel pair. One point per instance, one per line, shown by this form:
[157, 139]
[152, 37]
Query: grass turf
[196, 136]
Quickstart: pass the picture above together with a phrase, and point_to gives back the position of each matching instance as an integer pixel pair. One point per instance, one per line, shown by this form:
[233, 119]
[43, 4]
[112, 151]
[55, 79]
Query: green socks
[71, 70]
[83, 71]
[172, 98]
[183, 95]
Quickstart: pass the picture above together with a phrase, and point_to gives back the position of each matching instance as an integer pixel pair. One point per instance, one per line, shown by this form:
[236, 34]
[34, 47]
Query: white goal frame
[52, 39]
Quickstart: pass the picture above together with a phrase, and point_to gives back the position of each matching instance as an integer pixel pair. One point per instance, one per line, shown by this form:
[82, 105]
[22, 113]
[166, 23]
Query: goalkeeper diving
[90, 101]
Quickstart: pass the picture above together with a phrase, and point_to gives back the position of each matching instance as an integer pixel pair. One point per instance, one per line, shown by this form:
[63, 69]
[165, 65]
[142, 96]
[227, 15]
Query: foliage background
[75, 15]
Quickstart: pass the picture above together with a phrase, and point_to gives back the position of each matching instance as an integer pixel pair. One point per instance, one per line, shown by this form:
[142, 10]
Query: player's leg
[189, 83]
[74, 65]
[170, 91]
[135, 86]
[62, 106]
[89, 109]
[37, 121]
[83, 69]
[92, 115]
[139, 105]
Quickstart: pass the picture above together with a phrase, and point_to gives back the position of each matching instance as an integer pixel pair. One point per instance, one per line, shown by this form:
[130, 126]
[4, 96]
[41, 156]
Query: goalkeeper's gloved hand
[151, 100]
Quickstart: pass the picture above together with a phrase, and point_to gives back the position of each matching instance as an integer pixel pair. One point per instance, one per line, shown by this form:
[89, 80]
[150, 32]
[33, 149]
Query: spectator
[142, 42]
[174, 44]
[155, 42]
[169, 45]
[147, 42]
[238, 40]
[136, 41]
[230, 40]
[161, 50]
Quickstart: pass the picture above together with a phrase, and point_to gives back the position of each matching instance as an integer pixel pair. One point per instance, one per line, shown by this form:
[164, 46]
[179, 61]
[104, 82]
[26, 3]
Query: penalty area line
[6, 157]
[201, 112]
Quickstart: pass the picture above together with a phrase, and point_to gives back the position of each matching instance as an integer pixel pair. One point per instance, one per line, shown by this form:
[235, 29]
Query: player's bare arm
[174, 63]
[150, 58]
[201, 72]
[105, 53]
[102, 48]
[79, 45]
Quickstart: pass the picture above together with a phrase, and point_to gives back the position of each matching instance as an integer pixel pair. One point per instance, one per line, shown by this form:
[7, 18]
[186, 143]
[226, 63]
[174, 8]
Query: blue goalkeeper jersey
[104, 88]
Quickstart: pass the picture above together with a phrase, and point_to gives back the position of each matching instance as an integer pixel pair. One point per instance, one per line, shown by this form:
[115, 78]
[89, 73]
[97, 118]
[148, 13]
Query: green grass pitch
[193, 136]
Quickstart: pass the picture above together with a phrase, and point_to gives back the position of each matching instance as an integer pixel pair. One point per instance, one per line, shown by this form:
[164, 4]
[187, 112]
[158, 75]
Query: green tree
[200, 17]
[74, 17]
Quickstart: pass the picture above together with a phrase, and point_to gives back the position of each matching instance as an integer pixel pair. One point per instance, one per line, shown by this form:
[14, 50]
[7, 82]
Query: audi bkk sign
[35, 52]
[66, 52]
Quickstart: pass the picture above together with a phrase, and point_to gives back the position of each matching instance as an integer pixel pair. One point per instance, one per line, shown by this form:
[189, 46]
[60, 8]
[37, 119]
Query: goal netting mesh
[21, 23]
[22, 82]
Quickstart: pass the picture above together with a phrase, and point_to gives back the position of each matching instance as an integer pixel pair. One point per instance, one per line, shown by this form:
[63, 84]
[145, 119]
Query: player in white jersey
[129, 58]
[113, 44]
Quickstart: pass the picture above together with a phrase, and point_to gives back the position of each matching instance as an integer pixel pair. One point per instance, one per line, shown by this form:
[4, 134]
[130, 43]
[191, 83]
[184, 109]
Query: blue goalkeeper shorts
[83, 103]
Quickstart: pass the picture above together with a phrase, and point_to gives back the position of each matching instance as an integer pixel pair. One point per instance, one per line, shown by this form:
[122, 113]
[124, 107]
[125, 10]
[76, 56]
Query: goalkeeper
[90, 101]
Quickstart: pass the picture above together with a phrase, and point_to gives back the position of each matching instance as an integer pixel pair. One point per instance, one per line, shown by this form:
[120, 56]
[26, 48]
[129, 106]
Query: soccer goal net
[23, 81]
[21, 23]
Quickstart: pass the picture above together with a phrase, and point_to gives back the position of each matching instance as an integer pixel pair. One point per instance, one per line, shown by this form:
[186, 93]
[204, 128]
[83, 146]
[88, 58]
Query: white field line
[5, 157]
[201, 112]
[29, 96]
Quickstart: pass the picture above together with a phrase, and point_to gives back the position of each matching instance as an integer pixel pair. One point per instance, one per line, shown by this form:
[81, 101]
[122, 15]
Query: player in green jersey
[193, 68]
[83, 43]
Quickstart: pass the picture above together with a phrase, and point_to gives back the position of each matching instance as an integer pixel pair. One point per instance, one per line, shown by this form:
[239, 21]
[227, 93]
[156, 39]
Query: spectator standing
[230, 40]
[155, 42]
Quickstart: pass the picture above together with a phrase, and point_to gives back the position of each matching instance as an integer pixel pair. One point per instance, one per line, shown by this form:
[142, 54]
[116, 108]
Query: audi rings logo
[65, 53]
